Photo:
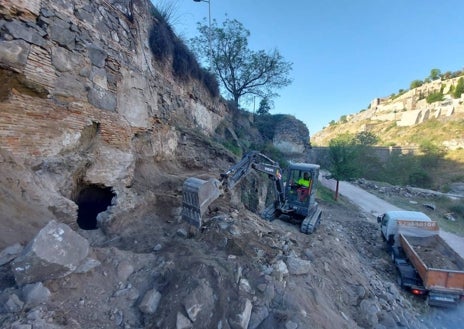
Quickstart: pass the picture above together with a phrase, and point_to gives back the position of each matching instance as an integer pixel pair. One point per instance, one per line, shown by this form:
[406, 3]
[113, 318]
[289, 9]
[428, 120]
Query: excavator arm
[198, 194]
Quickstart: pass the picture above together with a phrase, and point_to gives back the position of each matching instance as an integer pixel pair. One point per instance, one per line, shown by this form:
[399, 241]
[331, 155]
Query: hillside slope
[408, 119]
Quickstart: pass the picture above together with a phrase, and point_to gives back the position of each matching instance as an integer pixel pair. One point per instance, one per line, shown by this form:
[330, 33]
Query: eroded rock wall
[82, 97]
[89, 61]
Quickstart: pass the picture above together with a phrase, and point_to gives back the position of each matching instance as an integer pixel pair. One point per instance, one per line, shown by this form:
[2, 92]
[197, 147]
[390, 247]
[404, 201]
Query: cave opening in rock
[91, 201]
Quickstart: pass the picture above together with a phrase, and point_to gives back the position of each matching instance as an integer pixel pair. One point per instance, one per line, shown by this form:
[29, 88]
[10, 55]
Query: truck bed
[439, 266]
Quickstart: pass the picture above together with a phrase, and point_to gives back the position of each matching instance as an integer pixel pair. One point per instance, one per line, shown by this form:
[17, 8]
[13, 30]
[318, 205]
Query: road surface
[374, 206]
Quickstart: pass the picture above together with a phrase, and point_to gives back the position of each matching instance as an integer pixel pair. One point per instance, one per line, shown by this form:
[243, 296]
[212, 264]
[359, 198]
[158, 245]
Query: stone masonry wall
[82, 61]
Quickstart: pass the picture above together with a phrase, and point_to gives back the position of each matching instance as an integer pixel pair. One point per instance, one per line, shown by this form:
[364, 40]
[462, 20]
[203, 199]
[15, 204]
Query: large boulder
[199, 304]
[55, 252]
[241, 319]
[297, 266]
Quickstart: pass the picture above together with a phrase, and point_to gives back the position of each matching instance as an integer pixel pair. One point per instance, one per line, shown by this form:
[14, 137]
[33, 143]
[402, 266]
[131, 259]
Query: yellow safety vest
[303, 182]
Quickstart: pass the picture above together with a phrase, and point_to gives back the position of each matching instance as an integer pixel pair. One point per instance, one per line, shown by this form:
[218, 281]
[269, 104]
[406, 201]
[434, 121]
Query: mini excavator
[292, 202]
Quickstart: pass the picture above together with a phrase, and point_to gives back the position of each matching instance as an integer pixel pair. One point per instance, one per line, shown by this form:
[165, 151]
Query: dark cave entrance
[91, 201]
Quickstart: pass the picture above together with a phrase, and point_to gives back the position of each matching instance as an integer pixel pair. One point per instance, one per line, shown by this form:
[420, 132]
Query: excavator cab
[300, 189]
[301, 183]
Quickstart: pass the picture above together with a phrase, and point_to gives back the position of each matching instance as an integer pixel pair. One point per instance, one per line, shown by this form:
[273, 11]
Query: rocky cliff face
[411, 108]
[82, 99]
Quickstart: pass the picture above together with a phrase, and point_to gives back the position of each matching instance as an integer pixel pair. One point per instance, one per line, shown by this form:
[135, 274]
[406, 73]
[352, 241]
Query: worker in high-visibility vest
[303, 186]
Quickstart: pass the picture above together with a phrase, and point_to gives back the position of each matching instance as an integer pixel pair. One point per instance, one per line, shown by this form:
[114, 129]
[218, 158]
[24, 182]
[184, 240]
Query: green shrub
[325, 194]
[435, 97]
[435, 74]
[400, 92]
[458, 209]
[272, 152]
[235, 149]
[416, 83]
[266, 124]
[366, 138]
[398, 168]
[420, 179]
[164, 44]
[432, 154]
[459, 90]
[457, 74]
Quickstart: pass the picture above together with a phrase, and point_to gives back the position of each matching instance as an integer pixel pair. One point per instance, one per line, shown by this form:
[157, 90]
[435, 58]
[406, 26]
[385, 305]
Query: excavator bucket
[197, 195]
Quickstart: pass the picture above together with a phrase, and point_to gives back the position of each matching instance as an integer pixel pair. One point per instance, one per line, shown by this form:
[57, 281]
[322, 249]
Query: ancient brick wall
[68, 64]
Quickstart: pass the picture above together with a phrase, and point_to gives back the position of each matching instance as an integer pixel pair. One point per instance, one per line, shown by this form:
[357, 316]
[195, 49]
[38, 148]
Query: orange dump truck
[426, 264]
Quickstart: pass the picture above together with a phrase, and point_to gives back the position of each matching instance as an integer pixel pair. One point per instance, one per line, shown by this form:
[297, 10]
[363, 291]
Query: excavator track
[310, 223]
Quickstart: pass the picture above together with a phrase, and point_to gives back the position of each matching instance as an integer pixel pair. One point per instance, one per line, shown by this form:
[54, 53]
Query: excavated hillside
[97, 138]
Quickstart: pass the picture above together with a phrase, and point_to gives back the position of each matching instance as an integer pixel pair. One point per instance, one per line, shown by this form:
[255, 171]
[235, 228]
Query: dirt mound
[338, 277]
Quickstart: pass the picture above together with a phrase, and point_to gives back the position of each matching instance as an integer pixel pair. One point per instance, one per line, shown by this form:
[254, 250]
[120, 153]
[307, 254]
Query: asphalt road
[374, 206]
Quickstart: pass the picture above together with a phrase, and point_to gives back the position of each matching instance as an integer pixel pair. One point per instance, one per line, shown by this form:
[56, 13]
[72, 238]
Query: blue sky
[345, 53]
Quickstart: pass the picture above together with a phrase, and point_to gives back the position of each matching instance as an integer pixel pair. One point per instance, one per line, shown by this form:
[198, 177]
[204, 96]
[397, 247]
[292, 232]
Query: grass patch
[235, 149]
[167, 47]
[325, 194]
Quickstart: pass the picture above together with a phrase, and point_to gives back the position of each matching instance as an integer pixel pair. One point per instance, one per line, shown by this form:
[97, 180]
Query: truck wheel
[391, 239]
[427, 300]
[399, 279]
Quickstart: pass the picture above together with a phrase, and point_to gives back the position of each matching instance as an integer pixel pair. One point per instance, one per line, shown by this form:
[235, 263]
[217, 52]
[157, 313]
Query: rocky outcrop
[291, 135]
[411, 108]
[84, 103]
